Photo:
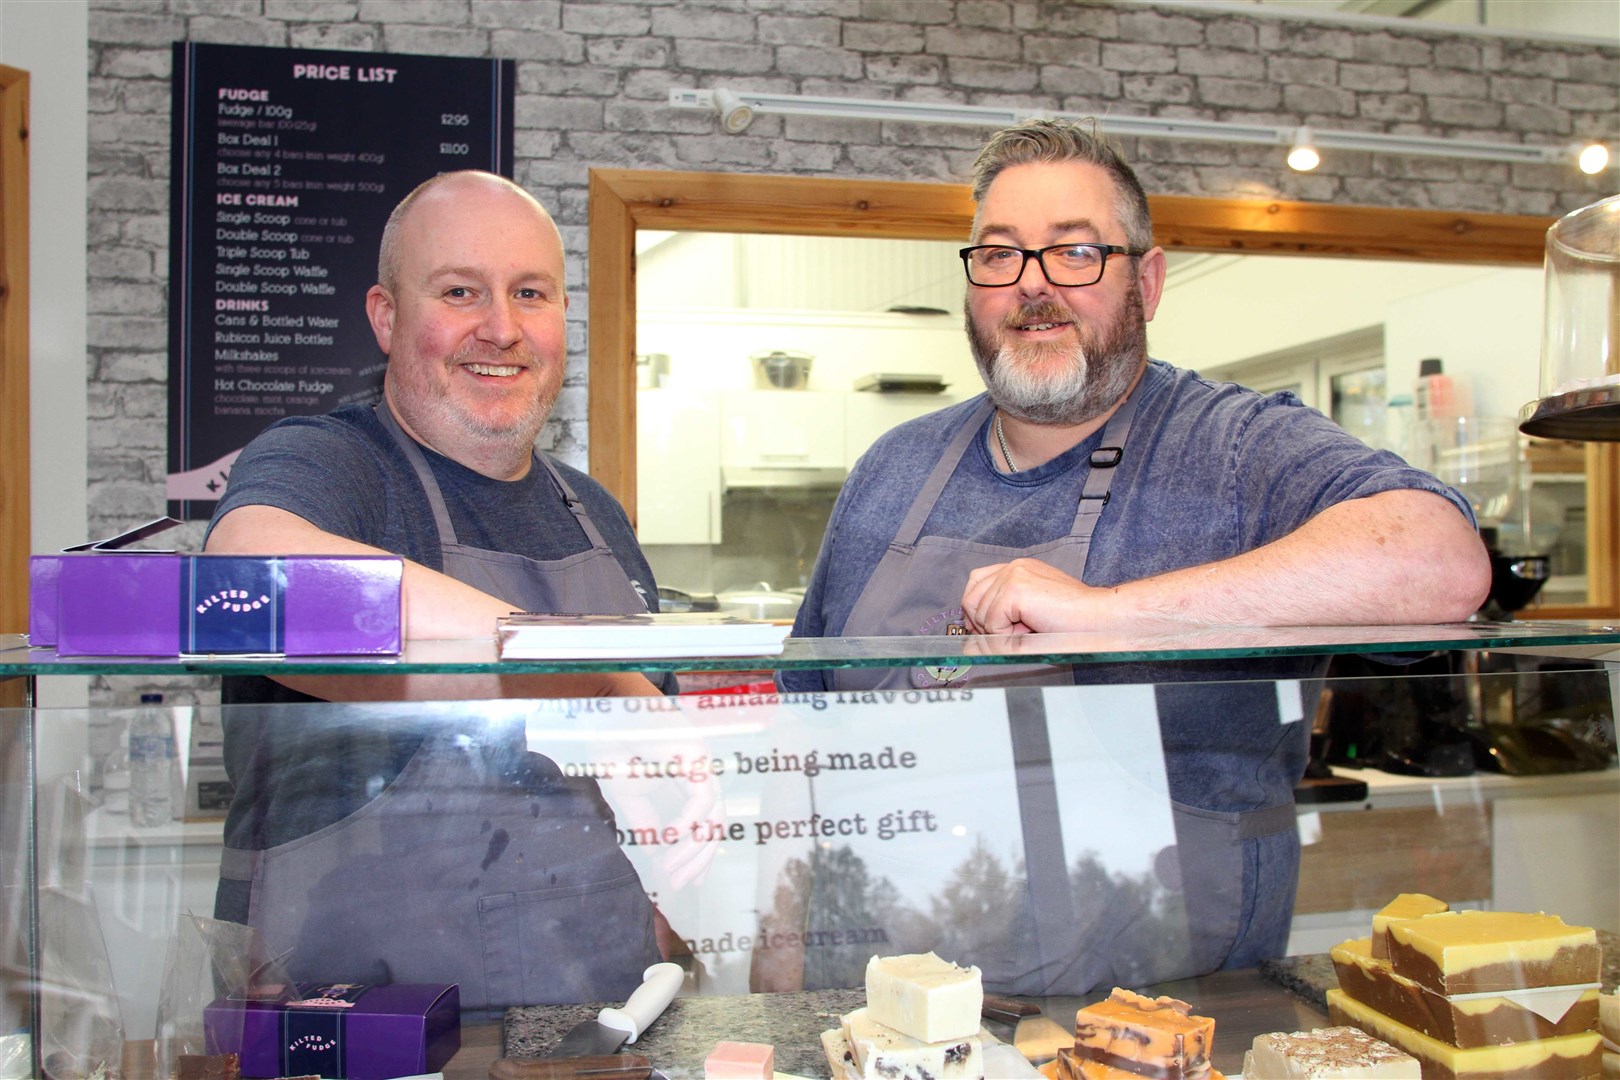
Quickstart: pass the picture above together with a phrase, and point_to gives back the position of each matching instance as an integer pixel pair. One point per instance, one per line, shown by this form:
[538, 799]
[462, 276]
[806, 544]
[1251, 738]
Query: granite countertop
[680, 1039]
[1245, 1003]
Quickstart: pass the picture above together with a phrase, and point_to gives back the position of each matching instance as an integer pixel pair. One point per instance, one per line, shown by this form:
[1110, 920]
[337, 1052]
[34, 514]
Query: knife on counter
[589, 1050]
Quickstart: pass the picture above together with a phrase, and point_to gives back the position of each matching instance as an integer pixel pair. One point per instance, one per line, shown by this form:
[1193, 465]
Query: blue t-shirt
[1210, 470]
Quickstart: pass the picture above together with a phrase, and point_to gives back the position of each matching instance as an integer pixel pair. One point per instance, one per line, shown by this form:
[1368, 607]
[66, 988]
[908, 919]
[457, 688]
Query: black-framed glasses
[1068, 266]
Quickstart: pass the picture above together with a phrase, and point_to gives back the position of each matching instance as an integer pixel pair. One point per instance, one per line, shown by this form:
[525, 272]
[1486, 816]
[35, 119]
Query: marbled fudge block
[1156, 1037]
[920, 995]
[1335, 1053]
[881, 1051]
[1465, 1023]
[1470, 952]
[1070, 1066]
[1403, 907]
[1567, 1057]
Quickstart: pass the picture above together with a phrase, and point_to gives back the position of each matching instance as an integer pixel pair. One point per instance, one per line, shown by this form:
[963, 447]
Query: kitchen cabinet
[781, 431]
[868, 415]
[738, 810]
[677, 467]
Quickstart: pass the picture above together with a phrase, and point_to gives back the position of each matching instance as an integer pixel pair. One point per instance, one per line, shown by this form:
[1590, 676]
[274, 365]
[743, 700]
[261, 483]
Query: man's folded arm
[435, 606]
[1404, 556]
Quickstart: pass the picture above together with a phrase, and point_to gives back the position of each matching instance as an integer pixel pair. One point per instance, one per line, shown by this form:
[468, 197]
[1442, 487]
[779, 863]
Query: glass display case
[781, 838]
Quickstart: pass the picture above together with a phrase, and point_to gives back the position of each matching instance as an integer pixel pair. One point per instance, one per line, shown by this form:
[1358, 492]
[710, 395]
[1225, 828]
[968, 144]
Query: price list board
[286, 164]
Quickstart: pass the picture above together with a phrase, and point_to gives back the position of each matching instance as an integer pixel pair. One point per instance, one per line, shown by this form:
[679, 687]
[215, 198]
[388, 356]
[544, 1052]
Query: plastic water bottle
[151, 763]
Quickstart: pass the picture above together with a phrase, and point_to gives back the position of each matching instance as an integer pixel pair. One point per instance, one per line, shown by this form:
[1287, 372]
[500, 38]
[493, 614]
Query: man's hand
[1027, 596]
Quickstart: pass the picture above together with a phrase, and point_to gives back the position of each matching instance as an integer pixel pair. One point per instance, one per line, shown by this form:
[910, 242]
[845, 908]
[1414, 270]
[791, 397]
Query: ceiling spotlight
[735, 115]
[1303, 156]
[1593, 158]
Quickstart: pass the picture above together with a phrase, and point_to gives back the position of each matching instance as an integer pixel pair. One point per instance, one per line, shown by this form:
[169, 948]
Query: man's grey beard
[1099, 373]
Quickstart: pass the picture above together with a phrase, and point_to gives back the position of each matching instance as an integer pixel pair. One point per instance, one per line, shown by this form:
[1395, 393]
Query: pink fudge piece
[740, 1061]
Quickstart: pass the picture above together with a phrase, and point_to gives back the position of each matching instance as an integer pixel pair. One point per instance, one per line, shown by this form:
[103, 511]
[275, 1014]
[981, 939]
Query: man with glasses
[1092, 488]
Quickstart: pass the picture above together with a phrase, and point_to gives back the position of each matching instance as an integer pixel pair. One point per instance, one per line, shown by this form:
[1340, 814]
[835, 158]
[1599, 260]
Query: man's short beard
[434, 412]
[1096, 377]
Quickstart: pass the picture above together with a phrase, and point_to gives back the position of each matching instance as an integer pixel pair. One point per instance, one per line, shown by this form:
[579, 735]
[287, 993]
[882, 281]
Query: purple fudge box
[340, 1030]
[118, 603]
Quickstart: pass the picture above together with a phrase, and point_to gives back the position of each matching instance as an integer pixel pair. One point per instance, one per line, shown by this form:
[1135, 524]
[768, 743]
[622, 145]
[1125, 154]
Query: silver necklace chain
[1002, 439]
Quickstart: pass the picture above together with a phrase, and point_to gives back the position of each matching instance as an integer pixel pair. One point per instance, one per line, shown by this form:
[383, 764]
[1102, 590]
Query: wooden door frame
[625, 200]
[15, 529]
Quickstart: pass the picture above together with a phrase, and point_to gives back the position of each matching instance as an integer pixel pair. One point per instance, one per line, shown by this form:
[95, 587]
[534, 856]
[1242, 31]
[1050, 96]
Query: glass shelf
[1595, 640]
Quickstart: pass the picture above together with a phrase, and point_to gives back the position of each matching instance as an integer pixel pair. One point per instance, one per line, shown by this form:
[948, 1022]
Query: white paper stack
[527, 636]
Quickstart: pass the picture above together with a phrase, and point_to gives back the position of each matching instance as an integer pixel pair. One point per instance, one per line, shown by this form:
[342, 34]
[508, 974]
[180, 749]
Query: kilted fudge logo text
[232, 600]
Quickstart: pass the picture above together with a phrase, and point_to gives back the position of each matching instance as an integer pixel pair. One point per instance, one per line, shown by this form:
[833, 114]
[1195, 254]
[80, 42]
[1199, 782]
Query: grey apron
[480, 863]
[1059, 942]
[918, 584]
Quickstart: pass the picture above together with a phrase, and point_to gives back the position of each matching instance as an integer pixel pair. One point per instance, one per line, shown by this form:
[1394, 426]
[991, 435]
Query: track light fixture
[735, 116]
[737, 109]
[1303, 155]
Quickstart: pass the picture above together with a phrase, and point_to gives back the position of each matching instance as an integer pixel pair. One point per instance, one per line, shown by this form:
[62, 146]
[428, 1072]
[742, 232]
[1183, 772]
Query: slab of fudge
[1403, 907]
[1465, 1023]
[1609, 1029]
[1068, 1066]
[1335, 1053]
[881, 1051]
[1567, 1057]
[842, 1063]
[920, 995]
[207, 1067]
[1156, 1037]
[740, 1061]
[1471, 952]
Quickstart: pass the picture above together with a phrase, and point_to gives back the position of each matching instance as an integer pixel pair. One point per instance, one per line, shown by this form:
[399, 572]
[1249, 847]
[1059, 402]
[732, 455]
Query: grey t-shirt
[1210, 470]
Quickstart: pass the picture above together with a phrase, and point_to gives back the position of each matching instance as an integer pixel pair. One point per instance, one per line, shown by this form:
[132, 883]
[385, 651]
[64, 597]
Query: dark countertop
[1243, 1003]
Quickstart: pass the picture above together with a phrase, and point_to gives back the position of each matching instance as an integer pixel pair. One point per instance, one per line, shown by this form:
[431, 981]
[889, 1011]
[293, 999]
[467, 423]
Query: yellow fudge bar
[1568, 1057]
[1156, 1037]
[1405, 906]
[1466, 1022]
[1470, 952]
[1335, 1053]
[882, 1052]
[920, 995]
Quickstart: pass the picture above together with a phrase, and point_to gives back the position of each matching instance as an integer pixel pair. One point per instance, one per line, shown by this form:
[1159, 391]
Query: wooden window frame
[623, 201]
[15, 527]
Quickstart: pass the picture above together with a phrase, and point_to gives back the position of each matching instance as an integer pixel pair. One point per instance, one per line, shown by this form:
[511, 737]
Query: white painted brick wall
[593, 76]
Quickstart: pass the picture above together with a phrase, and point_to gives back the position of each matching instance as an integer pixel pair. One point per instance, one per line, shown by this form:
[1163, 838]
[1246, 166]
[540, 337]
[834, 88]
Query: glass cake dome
[1580, 350]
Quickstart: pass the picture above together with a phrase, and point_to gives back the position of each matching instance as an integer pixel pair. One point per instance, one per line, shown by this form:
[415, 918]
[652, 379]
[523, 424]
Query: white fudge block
[1335, 1053]
[882, 1053]
[922, 996]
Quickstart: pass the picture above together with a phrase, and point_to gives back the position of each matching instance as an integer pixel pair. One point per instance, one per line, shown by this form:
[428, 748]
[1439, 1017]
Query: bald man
[410, 847]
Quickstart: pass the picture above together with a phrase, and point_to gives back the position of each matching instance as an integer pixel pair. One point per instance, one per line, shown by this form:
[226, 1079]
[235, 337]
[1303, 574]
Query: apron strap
[424, 475]
[575, 506]
[923, 504]
[1099, 481]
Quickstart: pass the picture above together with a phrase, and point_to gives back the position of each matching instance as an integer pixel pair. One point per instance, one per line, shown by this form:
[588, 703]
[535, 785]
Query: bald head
[448, 186]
